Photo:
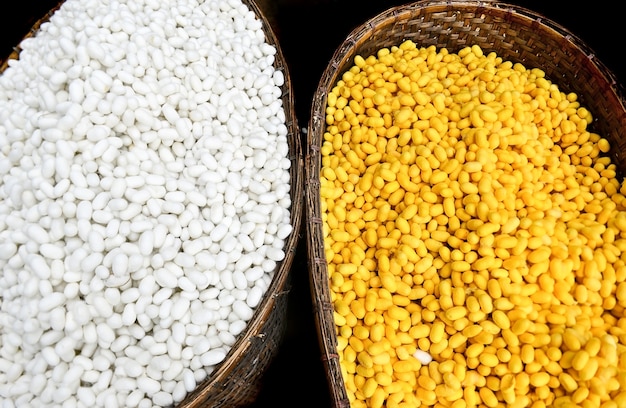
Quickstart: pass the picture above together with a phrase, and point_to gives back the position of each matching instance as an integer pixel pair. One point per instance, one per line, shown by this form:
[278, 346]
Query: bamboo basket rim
[460, 17]
[223, 387]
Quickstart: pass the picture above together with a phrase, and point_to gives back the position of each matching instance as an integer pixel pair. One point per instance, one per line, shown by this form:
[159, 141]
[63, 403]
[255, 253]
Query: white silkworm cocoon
[255, 294]
[144, 201]
[423, 356]
[212, 357]
[243, 311]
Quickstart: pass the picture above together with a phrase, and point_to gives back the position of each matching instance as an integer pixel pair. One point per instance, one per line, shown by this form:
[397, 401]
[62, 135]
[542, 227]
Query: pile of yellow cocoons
[471, 217]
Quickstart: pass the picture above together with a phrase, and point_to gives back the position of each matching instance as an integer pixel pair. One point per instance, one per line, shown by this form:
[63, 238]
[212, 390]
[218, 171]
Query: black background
[308, 34]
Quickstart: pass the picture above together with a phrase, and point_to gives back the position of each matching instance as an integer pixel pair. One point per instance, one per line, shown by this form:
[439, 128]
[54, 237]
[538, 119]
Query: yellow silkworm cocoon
[398, 313]
[587, 372]
[572, 339]
[456, 312]
[489, 360]
[369, 387]
[500, 319]
[378, 398]
[580, 360]
[488, 397]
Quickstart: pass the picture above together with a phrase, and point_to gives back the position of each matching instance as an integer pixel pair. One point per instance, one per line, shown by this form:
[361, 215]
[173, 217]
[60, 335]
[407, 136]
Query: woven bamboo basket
[514, 33]
[236, 381]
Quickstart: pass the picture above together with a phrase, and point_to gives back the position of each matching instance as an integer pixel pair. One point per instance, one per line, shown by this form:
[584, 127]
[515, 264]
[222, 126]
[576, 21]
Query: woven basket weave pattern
[514, 33]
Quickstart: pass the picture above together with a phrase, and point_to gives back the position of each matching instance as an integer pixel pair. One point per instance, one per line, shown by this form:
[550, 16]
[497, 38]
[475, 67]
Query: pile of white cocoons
[144, 199]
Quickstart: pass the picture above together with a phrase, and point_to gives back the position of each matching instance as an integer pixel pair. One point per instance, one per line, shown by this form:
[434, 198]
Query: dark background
[309, 32]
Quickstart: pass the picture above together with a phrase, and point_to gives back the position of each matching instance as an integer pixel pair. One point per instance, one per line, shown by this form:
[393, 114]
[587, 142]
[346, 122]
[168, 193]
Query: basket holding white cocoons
[145, 199]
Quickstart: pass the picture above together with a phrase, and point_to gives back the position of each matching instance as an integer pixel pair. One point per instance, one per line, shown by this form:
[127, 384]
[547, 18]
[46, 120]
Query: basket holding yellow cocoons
[466, 219]
[150, 202]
